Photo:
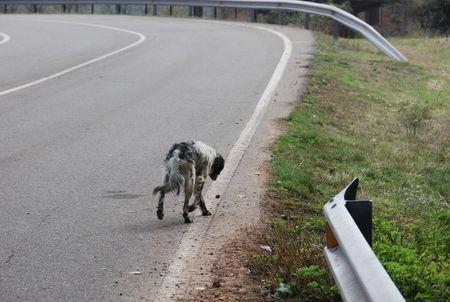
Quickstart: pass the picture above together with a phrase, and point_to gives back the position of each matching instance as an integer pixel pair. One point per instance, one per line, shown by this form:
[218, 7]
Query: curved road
[81, 152]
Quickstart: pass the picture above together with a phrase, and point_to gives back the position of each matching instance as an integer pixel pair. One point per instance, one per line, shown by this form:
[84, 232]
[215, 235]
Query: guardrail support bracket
[361, 212]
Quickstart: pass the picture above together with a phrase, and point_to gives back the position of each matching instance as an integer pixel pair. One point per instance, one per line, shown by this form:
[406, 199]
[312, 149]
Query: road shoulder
[217, 272]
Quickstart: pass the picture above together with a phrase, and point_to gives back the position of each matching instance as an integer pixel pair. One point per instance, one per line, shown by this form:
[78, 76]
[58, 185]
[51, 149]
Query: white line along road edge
[58, 74]
[5, 38]
[175, 281]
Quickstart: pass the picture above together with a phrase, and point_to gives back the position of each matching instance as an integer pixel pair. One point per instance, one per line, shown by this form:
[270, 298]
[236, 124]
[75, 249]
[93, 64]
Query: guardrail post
[253, 15]
[335, 30]
[34, 8]
[361, 212]
[215, 12]
[145, 9]
[170, 10]
[280, 17]
[307, 20]
[220, 12]
[155, 10]
[92, 9]
[198, 11]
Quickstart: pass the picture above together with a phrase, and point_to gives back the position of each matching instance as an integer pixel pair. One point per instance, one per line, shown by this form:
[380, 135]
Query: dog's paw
[187, 219]
[206, 213]
[160, 214]
[192, 207]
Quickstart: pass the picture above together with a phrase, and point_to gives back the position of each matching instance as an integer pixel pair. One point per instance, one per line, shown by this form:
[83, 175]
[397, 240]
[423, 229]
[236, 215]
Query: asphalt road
[80, 153]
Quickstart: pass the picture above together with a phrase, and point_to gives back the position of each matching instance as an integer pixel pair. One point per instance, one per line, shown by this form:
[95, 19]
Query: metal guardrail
[358, 273]
[330, 11]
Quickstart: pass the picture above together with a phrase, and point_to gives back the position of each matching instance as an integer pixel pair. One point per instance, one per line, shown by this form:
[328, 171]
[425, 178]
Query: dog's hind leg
[194, 206]
[160, 210]
[188, 190]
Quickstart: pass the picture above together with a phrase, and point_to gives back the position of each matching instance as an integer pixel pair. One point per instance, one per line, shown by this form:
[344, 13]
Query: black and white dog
[188, 164]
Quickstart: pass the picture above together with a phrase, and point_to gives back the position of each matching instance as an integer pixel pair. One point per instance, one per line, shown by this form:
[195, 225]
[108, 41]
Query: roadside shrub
[291, 18]
[413, 115]
[419, 279]
[434, 15]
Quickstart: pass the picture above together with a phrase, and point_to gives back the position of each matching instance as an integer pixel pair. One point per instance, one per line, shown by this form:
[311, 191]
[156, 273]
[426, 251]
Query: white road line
[175, 279]
[5, 38]
[65, 71]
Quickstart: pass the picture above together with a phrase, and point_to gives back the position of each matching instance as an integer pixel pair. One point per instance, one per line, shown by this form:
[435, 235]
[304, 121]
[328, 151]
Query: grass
[387, 123]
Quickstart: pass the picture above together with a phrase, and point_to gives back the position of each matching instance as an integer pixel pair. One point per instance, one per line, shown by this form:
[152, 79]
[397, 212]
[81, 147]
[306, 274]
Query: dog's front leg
[199, 197]
[205, 211]
[188, 190]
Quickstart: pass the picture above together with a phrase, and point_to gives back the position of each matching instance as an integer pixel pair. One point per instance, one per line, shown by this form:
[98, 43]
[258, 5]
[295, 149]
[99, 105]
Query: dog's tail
[172, 179]
[161, 189]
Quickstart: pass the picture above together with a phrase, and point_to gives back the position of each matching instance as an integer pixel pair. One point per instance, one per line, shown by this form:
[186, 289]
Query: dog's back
[180, 158]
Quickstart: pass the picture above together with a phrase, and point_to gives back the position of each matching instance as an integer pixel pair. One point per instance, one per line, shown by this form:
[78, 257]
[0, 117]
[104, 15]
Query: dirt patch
[230, 279]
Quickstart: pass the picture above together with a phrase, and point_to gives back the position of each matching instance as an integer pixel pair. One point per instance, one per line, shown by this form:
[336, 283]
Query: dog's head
[217, 167]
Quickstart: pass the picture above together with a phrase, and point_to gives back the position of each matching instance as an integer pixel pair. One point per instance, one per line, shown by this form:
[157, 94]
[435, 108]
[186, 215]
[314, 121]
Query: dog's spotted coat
[188, 164]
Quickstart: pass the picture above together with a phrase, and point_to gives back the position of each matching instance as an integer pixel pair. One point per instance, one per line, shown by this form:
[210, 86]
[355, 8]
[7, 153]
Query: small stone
[217, 196]
[216, 284]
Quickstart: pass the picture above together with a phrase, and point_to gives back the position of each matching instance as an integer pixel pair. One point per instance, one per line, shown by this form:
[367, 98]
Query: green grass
[355, 121]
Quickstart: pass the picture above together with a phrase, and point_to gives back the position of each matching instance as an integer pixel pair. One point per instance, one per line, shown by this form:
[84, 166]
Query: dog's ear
[219, 162]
